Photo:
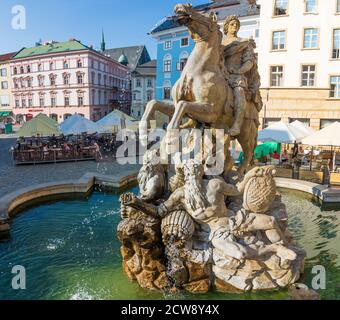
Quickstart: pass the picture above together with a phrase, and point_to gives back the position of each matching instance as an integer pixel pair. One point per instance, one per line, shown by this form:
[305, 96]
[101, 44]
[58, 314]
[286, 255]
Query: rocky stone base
[142, 251]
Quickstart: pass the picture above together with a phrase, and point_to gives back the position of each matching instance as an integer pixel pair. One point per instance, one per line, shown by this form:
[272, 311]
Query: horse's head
[202, 27]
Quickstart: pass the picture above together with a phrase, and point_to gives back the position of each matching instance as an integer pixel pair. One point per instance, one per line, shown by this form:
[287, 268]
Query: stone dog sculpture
[202, 93]
[195, 232]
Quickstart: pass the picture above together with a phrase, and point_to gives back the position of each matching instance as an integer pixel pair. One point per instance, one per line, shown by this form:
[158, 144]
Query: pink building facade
[61, 79]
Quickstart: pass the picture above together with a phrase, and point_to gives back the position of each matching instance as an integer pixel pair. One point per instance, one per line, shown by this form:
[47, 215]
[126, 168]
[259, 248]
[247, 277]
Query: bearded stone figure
[188, 230]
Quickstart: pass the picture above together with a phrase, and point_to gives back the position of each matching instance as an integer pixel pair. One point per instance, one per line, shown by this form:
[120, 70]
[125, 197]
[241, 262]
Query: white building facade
[143, 87]
[299, 61]
[61, 79]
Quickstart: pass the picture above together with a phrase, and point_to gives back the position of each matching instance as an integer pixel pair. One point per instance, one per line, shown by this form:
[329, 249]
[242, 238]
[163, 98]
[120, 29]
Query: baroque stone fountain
[192, 229]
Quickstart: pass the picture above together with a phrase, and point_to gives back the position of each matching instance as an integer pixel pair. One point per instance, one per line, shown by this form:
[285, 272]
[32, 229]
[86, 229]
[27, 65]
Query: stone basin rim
[10, 202]
[83, 186]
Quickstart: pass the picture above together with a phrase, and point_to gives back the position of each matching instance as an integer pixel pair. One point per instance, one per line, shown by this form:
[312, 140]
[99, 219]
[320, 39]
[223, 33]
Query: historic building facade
[174, 43]
[143, 87]
[6, 105]
[299, 61]
[60, 79]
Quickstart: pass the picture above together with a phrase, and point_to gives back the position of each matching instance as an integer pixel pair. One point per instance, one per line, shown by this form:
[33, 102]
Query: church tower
[102, 45]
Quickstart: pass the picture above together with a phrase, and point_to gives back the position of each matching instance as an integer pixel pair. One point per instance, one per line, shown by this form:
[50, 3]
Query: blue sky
[125, 22]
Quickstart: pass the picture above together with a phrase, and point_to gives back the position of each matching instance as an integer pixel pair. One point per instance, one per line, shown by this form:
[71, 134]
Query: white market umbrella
[280, 132]
[302, 127]
[77, 124]
[329, 136]
[116, 119]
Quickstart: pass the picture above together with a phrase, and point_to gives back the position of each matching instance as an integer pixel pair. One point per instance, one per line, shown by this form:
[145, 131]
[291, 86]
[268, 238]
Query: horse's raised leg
[166, 107]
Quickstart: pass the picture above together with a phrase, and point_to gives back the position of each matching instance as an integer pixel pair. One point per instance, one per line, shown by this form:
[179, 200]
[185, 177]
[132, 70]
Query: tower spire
[102, 45]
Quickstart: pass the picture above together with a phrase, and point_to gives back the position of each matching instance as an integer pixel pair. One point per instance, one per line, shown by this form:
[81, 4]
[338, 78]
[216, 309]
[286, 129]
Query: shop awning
[5, 113]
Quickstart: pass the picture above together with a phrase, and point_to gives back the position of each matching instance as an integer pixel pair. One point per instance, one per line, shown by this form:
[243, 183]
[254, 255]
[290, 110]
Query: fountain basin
[70, 251]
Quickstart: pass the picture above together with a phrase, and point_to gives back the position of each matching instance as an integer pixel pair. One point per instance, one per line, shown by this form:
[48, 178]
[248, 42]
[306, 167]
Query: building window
[336, 44]
[80, 101]
[28, 69]
[279, 38]
[80, 79]
[3, 72]
[281, 8]
[149, 83]
[41, 102]
[311, 6]
[16, 85]
[182, 63]
[66, 80]
[338, 6]
[15, 70]
[79, 64]
[149, 96]
[276, 76]
[39, 67]
[30, 103]
[23, 103]
[184, 42]
[270, 121]
[53, 102]
[167, 64]
[308, 76]
[51, 66]
[4, 85]
[167, 44]
[29, 83]
[65, 64]
[138, 83]
[67, 101]
[335, 87]
[41, 81]
[167, 93]
[326, 122]
[52, 80]
[22, 70]
[311, 38]
[99, 79]
[93, 97]
[17, 103]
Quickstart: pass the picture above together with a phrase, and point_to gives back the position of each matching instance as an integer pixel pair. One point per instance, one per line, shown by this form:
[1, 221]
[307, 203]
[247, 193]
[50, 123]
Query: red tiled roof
[7, 56]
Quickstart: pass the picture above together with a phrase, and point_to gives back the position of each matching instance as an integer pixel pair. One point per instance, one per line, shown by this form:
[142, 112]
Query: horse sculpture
[202, 93]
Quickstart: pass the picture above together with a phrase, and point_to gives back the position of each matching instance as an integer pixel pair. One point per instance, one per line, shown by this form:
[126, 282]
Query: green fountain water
[70, 251]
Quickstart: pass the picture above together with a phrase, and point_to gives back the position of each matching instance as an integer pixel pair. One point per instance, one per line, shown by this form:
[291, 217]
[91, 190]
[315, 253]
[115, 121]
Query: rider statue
[240, 71]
